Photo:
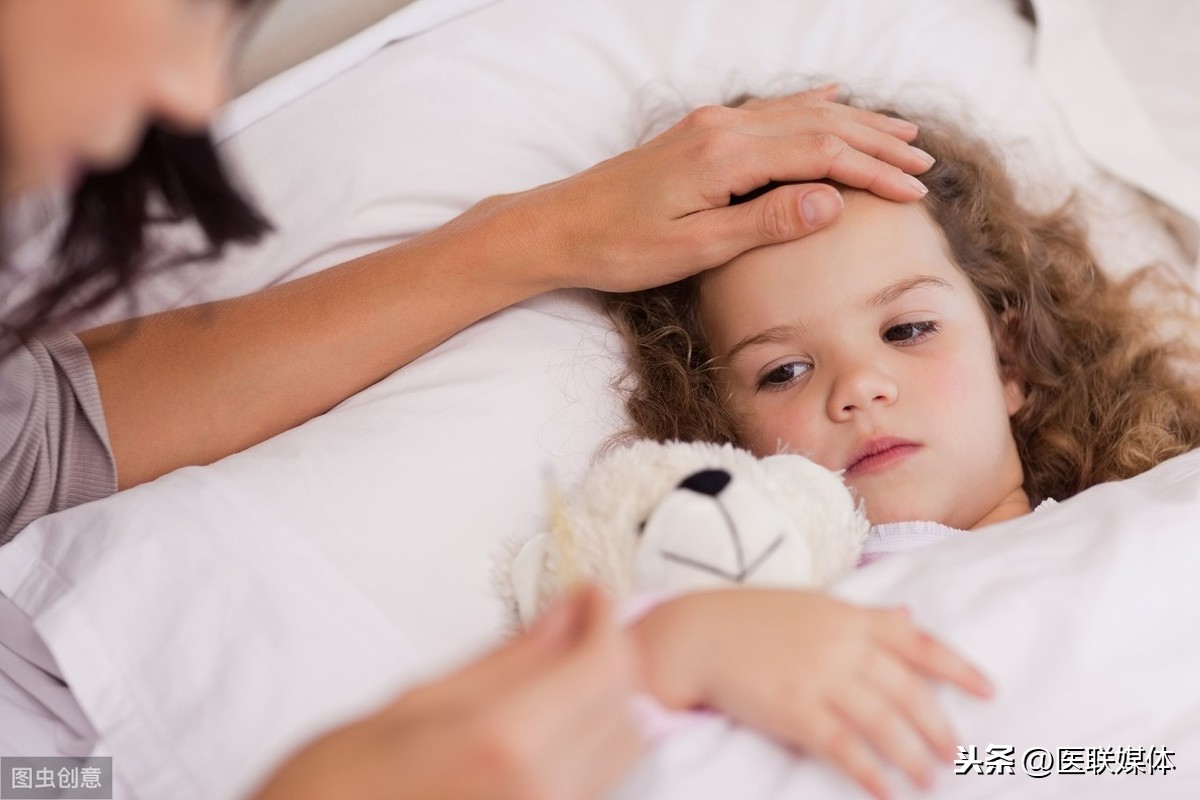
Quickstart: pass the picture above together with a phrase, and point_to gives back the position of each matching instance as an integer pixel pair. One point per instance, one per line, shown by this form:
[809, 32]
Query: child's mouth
[879, 454]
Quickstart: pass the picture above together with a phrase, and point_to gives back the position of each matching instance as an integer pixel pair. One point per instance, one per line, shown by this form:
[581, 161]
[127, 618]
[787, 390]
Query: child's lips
[880, 454]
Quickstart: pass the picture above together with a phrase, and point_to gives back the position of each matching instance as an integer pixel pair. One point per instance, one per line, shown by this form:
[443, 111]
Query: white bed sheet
[40, 716]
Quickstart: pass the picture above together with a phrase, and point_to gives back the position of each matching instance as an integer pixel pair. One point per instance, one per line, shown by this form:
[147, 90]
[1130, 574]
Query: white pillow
[212, 619]
[1121, 74]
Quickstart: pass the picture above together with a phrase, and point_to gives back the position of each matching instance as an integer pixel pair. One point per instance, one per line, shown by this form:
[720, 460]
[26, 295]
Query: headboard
[291, 31]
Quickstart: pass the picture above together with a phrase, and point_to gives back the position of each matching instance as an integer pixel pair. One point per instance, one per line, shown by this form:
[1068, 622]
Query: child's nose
[859, 390]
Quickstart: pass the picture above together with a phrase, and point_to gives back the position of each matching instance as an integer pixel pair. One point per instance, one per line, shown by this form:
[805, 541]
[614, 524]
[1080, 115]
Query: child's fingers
[911, 693]
[835, 740]
[874, 715]
[935, 659]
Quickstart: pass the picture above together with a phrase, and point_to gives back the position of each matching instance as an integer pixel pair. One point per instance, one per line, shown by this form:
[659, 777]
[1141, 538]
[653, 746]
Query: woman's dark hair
[105, 248]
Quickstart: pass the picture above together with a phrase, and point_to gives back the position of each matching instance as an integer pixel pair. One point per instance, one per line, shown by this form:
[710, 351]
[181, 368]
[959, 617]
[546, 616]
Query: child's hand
[840, 681]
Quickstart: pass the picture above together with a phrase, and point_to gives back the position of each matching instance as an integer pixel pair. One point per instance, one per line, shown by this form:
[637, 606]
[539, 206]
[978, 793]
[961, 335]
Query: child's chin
[883, 513]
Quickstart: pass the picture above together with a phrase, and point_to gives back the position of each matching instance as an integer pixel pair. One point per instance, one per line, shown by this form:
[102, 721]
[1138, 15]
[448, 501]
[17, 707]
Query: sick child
[959, 360]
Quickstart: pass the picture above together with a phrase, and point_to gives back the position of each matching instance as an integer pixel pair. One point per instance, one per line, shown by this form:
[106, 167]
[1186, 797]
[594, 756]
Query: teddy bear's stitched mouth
[734, 577]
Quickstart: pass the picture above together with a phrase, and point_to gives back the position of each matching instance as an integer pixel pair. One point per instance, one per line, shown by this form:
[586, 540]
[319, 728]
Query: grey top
[54, 450]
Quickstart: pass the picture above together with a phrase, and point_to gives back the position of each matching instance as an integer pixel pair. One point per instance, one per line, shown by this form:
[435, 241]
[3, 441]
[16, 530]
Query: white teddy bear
[675, 517]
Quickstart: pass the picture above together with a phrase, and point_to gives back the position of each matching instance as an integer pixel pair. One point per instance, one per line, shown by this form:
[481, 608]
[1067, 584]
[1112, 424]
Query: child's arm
[840, 681]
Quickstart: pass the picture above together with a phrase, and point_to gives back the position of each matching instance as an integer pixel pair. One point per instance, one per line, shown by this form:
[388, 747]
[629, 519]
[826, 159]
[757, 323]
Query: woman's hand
[842, 682]
[661, 212]
[183, 388]
[547, 715]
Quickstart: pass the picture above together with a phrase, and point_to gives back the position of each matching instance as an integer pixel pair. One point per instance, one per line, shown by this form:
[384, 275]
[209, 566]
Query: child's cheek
[951, 382]
[783, 429]
[961, 381]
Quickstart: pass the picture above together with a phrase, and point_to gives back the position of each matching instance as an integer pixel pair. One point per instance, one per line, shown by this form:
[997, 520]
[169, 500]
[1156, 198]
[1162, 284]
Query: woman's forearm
[193, 385]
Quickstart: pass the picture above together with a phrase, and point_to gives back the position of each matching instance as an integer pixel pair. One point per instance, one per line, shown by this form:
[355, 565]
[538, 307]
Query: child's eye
[784, 375]
[911, 332]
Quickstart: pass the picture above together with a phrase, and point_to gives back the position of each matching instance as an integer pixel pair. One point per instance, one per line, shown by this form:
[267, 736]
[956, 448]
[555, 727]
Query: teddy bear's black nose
[707, 481]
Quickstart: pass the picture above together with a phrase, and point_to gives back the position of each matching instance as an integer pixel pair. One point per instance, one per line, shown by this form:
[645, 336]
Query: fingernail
[820, 208]
[916, 184]
[921, 154]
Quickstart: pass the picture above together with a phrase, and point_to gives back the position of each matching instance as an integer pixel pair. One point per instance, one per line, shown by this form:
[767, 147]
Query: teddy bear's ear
[526, 569]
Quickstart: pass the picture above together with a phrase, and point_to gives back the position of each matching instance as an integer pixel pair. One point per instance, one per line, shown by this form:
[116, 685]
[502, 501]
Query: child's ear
[1011, 377]
[1014, 395]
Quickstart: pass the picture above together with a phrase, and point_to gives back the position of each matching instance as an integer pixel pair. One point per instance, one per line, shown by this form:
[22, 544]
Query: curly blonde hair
[1106, 392]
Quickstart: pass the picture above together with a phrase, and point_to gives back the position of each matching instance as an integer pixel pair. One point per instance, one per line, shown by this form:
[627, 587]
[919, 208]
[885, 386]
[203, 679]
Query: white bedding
[211, 620]
[1083, 611]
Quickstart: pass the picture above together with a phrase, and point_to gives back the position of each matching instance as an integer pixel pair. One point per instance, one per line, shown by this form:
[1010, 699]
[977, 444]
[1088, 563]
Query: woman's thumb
[789, 212]
[561, 620]
[780, 215]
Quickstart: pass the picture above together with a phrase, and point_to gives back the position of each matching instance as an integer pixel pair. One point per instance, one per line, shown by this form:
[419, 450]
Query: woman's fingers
[823, 100]
[865, 131]
[789, 212]
[895, 126]
[660, 212]
[599, 748]
[549, 714]
[597, 675]
[780, 215]
[828, 91]
[834, 158]
[587, 736]
[730, 128]
[753, 161]
[885, 147]
[503, 668]
[880, 144]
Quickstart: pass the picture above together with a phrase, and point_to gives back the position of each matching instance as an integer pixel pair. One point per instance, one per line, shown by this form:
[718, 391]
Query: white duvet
[210, 621]
[1083, 612]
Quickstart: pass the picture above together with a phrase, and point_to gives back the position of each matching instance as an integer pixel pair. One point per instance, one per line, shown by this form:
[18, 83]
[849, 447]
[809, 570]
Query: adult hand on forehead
[661, 212]
[653, 215]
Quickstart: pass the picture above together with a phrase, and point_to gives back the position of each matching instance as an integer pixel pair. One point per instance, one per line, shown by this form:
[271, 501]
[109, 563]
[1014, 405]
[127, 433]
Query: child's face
[864, 347]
